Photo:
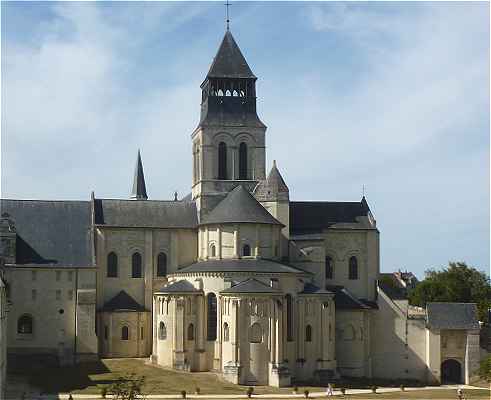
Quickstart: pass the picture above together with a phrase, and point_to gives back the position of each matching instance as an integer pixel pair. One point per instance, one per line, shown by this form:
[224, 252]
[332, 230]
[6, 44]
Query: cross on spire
[227, 4]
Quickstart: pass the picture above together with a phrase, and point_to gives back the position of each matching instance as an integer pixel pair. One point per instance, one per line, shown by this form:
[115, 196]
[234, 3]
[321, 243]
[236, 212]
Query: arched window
[24, 324]
[125, 333]
[246, 250]
[353, 268]
[289, 318]
[222, 160]
[212, 317]
[162, 264]
[136, 265]
[226, 333]
[162, 331]
[112, 265]
[190, 332]
[213, 251]
[329, 268]
[256, 333]
[308, 333]
[243, 161]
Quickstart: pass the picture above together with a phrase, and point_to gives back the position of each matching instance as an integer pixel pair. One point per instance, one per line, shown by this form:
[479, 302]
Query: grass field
[477, 394]
[90, 378]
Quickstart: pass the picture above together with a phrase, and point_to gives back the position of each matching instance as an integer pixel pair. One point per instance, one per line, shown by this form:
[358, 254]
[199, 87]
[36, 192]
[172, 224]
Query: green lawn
[89, 378]
[481, 394]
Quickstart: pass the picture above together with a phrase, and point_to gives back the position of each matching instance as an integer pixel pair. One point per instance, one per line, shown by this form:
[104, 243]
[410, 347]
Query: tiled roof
[251, 286]
[310, 288]
[229, 61]
[391, 286]
[139, 188]
[54, 233]
[272, 187]
[147, 214]
[451, 316]
[178, 287]
[315, 216]
[345, 300]
[239, 206]
[241, 265]
[122, 302]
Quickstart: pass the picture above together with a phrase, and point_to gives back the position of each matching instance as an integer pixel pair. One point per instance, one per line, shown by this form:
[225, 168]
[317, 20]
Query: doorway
[451, 372]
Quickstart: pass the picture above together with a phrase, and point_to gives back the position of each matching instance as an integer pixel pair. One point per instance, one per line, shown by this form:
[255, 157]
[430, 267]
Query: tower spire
[139, 191]
[227, 5]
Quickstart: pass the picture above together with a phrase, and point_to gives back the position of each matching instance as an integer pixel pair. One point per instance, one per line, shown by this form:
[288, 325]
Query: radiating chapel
[234, 278]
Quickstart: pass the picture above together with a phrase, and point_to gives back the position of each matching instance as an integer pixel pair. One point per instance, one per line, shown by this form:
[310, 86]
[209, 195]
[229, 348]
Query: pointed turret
[139, 191]
[273, 188]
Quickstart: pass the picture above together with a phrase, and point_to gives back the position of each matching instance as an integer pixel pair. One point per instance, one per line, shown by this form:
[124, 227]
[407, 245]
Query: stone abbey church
[234, 278]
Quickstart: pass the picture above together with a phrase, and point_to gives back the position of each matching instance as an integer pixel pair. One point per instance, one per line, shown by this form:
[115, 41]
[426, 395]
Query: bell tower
[229, 142]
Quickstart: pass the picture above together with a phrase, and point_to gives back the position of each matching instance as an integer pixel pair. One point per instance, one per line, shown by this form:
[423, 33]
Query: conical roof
[139, 191]
[275, 180]
[273, 187]
[239, 206]
[229, 61]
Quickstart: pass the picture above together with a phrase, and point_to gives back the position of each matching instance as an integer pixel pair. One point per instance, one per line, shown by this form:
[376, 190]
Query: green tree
[456, 283]
[485, 369]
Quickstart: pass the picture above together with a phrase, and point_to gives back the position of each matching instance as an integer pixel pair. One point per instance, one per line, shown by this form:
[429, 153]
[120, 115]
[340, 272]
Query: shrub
[249, 392]
[343, 391]
[374, 389]
[183, 394]
[306, 394]
[127, 387]
[197, 390]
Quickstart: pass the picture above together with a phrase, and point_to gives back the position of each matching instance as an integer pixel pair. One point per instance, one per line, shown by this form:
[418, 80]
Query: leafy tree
[456, 283]
[485, 369]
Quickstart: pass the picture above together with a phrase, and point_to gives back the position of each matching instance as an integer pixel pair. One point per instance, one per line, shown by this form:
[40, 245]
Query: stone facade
[3, 334]
[235, 278]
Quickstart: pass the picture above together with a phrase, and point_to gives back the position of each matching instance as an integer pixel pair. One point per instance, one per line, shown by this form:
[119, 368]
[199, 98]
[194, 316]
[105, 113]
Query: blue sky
[393, 96]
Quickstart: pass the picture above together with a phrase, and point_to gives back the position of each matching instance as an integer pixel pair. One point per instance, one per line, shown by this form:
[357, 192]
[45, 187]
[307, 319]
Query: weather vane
[227, 4]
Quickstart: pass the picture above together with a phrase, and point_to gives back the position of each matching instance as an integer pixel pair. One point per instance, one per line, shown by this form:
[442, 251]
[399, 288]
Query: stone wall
[3, 337]
[48, 296]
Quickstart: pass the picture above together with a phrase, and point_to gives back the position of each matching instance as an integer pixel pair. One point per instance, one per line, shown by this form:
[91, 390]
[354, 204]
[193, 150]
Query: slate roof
[310, 288]
[251, 286]
[54, 233]
[139, 191]
[241, 265]
[391, 287]
[239, 206]
[451, 316]
[147, 214]
[229, 61]
[345, 300]
[315, 216]
[122, 302]
[178, 287]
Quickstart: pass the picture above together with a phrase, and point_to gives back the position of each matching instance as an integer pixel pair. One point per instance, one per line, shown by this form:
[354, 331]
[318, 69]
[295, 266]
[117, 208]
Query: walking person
[329, 391]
